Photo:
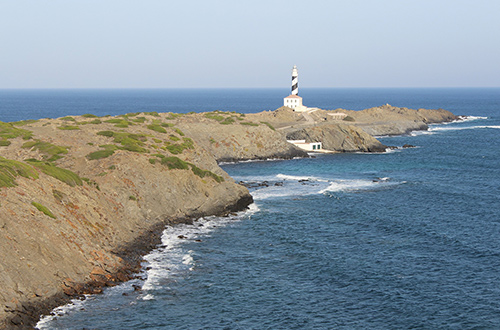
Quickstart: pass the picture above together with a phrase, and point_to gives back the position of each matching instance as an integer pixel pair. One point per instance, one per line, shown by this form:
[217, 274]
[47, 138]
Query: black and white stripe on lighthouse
[295, 81]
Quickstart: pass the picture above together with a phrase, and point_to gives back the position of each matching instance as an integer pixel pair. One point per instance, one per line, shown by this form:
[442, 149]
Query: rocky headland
[84, 197]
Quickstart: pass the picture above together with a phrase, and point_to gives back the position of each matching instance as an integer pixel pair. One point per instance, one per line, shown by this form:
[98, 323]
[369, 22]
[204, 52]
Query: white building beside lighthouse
[294, 101]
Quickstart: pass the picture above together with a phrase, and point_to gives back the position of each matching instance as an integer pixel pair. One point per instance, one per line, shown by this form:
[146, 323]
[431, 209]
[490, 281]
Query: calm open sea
[406, 239]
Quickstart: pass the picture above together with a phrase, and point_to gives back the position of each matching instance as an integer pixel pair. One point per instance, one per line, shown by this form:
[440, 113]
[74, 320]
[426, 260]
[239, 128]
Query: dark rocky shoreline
[128, 196]
[131, 254]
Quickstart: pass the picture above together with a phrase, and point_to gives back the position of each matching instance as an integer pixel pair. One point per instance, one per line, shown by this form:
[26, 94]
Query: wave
[467, 118]
[459, 128]
[320, 186]
[418, 133]
[45, 322]
[171, 259]
[355, 185]
[299, 178]
[162, 264]
[253, 161]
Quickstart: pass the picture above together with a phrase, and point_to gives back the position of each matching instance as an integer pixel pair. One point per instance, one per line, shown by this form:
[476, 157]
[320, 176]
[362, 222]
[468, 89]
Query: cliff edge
[84, 197]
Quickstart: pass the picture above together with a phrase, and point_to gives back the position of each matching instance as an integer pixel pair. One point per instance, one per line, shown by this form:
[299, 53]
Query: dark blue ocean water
[52, 103]
[404, 240]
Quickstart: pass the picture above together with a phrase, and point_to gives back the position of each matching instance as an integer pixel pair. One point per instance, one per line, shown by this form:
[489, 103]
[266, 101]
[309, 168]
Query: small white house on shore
[307, 146]
[337, 115]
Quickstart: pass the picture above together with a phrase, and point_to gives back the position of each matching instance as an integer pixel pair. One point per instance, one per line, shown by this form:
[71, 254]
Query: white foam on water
[298, 178]
[166, 261]
[171, 260]
[280, 191]
[418, 133]
[356, 185]
[45, 321]
[253, 161]
[467, 118]
[460, 128]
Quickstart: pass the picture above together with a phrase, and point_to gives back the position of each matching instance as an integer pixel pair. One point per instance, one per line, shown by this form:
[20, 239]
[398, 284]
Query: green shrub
[100, 154]
[43, 209]
[89, 115]
[268, 125]
[157, 128]
[247, 123]
[139, 120]
[8, 131]
[204, 173]
[131, 142]
[4, 143]
[152, 160]
[178, 131]
[174, 138]
[132, 114]
[174, 163]
[132, 198]
[179, 148]
[128, 141]
[24, 122]
[70, 178]
[68, 127]
[177, 163]
[122, 123]
[227, 121]
[114, 121]
[95, 122]
[68, 118]
[106, 133]
[58, 195]
[212, 140]
[49, 151]
[152, 113]
[11, 169]
[214, 116]
[167, 125]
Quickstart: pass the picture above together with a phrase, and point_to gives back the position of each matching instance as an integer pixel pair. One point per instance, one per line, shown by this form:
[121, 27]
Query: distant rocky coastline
[83, 198]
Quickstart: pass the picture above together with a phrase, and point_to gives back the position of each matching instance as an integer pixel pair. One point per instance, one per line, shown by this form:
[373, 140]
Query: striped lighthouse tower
[295, 81]
[294, 101]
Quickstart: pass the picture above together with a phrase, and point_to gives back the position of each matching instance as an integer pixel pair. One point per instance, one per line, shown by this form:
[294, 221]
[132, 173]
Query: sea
[406, 239]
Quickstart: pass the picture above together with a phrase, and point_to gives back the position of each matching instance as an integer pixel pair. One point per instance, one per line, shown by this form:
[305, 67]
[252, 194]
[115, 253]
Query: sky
[249, 44]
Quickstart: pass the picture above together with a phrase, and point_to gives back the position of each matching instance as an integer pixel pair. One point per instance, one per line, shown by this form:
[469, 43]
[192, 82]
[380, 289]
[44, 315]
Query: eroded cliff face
[69, 214]
[82, 198]
[228, 143]
[339, 137]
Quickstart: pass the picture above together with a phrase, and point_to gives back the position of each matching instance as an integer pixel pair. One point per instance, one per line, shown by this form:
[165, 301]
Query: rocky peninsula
[84, 197]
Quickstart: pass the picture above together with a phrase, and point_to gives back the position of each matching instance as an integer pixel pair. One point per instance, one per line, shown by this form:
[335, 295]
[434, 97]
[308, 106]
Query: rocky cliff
[82, 198]
[390, 120]
[78, 192]
[339, 137]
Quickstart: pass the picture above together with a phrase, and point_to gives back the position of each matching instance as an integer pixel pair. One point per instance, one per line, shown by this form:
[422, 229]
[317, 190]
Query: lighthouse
[294, 101]
[295, 81]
